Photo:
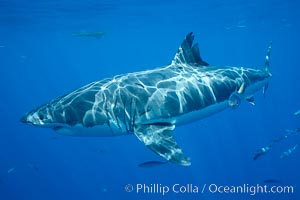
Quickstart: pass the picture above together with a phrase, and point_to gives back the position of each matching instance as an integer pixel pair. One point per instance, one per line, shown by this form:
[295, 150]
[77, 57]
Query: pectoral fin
[159, 138]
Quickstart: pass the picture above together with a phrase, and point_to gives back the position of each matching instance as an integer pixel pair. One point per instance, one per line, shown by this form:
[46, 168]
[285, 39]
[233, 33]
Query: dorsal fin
[189, 53]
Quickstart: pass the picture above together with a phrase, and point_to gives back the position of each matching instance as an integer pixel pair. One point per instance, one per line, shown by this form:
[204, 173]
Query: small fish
[53, 138]
[11, 170]
[262, 151]
[104, 188]
[271, 181]
[287, 153]
[241, 26]
[96, 34]
[297, 112]
[291, 132]
[99, 150]
[151, 164]
[33, 166]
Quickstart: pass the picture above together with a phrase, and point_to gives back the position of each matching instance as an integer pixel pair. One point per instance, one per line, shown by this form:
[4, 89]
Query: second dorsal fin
[189, 53]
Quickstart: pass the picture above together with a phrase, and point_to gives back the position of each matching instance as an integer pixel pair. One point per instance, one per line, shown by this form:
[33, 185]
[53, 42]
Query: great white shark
[151, 103]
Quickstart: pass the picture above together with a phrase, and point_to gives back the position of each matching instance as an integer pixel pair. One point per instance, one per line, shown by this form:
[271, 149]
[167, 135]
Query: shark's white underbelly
[94, 131]
[191, 116]
[200, 114]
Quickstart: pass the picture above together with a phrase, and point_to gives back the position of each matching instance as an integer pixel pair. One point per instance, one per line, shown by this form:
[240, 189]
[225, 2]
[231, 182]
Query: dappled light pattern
[152, 103]
[151, 96]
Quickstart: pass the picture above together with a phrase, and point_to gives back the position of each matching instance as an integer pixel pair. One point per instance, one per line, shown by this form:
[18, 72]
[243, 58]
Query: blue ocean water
[42, 59]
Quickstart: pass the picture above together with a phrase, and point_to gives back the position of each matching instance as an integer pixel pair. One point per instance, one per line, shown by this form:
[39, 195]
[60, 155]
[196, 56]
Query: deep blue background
[40, 60]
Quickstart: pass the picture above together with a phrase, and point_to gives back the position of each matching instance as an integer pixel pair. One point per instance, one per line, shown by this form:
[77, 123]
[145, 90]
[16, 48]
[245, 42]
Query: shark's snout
[32, 118]
[27, 119]
[40, 117]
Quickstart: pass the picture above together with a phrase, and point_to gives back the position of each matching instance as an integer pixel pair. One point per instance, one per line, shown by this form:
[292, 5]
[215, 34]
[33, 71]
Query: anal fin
[159, 138]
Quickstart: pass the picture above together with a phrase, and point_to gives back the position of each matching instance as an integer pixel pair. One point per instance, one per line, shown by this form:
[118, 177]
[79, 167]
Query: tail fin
[267, 67]
[267, 61]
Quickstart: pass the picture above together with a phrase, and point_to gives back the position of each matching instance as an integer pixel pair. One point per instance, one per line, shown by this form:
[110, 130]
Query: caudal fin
[267, 67]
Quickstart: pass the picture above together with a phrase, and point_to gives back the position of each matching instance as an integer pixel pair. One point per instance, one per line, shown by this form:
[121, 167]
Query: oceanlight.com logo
[177, 188]
[250, 189]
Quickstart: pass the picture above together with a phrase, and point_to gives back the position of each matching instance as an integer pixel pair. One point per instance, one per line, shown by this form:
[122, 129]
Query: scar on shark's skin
[150, 104]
